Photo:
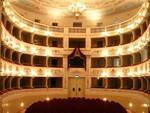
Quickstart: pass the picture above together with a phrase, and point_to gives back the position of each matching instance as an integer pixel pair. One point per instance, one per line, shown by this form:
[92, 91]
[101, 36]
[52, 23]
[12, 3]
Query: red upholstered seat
[76, 105]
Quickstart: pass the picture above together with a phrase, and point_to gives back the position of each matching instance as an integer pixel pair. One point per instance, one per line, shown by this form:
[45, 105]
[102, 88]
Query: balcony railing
[139, 70]
[27, 48]
[142, 69]
[39, 28]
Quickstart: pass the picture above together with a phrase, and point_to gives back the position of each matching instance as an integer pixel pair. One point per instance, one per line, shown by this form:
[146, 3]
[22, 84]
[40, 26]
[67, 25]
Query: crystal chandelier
[77, 8]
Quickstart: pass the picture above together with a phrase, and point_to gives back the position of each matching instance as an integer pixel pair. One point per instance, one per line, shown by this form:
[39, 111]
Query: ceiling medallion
[77, 8]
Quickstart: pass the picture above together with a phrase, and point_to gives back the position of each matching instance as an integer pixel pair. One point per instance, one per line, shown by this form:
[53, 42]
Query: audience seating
[76, 105]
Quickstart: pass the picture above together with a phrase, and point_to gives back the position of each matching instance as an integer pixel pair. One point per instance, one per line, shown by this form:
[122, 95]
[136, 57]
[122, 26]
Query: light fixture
[130, 104]
[33, 29]
[145, 105]
[48, 33]
[22, 25]
[21, 104]
[119, 51]
[105, 73]
[21, 72]
[131, 48]
[33, 50]
[105, 52]
[119, 73]
[5, 105]
[105, 33]
[47, 98]
[120, 30]
[77, 8]
[33, 72]
[22, 48]
[131, 26]
[48, 52]
[105, 99]
[130, 73]
[47, 72]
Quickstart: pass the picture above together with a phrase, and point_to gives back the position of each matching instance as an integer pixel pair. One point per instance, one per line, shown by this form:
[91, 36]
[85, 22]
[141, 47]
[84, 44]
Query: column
[20, 32]
[18, 83]
[106, 83]
[88, 43]
[11, 52]
[4, 87]
[65, 68]
[121, 39]
[31, 82]
[106, 41]
[4, 49]
[32, 60]
[66, 39]
[141, 28]
[3, 83]
[88, 82]
[10, 80]
[142, 84]
[65, 81]
[47, 61]
[133, 56]
[134, 83]
[106, 65]
[19, 58]
[121, 83]
[133, 33]
[46, 82]
[148, 83]
[32, 40]
[88, 38]
[66, 42]
[121, 60]
[88, 69]
[47, 38]
[88, 64]
[11, 28]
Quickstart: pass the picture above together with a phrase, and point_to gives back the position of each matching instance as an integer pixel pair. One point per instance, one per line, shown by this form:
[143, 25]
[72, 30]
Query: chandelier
[77, 8]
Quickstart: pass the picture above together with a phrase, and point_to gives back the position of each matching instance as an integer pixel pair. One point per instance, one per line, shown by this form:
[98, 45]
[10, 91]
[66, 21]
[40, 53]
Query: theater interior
[74, 56]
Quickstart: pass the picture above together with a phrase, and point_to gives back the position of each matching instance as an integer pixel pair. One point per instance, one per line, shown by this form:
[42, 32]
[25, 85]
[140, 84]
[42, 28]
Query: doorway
[76, 86]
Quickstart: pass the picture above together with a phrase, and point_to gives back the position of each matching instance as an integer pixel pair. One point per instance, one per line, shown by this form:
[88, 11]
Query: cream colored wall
[68, 21]
[12, 100]
[123, 97]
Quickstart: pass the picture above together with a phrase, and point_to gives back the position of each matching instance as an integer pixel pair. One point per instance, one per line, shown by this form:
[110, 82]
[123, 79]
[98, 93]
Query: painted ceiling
[107, 7]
